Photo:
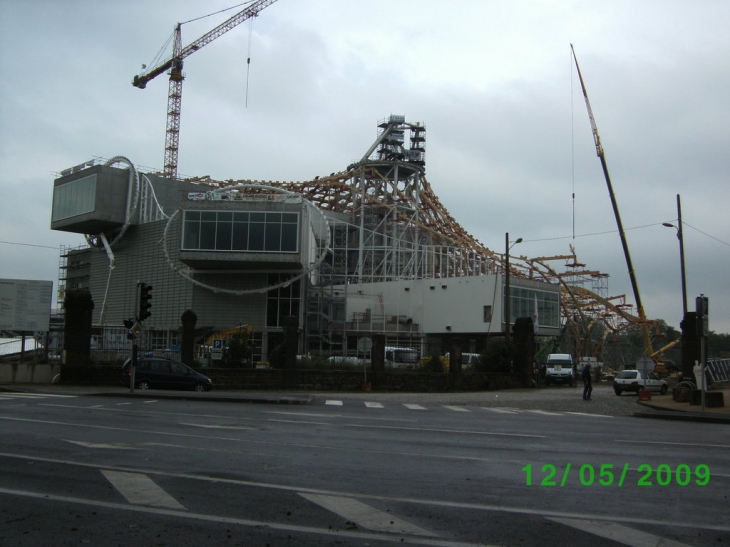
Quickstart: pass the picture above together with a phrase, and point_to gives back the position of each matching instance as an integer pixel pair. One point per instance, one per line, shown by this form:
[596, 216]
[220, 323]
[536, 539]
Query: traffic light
[702, 305]
[144, 301]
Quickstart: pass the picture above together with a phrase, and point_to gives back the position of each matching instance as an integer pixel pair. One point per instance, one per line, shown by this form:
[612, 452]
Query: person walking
[587, 386]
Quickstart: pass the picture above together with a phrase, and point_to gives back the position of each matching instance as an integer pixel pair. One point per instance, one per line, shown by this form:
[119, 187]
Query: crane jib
[253, 10]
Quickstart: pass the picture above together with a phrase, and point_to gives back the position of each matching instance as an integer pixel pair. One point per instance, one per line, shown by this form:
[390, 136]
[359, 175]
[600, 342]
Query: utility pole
[507, 310]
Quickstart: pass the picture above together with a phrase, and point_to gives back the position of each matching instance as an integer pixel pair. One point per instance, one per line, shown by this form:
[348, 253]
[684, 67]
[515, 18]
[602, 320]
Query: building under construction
[366, 250]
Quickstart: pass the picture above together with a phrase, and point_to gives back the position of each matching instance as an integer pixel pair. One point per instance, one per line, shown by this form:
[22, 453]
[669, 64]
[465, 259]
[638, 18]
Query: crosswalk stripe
[414, 407]
[501, 410]
[618, 533]
[591, 415]
[139, 489]
[366, 516]
[457, 408]
[374, 405]
[333, 402]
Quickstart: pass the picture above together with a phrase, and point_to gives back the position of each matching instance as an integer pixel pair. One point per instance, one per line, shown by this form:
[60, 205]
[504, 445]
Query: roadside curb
[186, 396]
[282, 400]
[663, 414]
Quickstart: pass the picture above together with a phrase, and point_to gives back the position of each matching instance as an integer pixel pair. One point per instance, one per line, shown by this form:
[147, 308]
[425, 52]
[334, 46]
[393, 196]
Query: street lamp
[681, 254]
[507, 310]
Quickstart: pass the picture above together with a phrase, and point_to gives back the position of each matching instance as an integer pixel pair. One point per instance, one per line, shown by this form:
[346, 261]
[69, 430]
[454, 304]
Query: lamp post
[681, 253]
[507, 299]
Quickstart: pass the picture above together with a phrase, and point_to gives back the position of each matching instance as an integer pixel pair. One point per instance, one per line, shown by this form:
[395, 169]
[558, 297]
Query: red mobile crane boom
[648, 350]
[175, 65]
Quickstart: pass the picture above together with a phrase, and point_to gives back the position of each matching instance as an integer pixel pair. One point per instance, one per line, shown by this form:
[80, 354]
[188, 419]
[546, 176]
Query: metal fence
[718, 370]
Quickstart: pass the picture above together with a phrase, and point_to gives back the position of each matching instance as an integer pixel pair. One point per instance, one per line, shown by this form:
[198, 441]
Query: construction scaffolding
[390, 225]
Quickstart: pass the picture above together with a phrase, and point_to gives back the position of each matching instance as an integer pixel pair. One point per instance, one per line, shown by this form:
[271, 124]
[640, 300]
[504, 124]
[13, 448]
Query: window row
[543, 306]
[74, 198]
[242, 232]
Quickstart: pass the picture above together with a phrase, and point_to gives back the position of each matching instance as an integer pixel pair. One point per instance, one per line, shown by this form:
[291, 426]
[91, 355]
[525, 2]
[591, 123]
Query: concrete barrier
[28, 373]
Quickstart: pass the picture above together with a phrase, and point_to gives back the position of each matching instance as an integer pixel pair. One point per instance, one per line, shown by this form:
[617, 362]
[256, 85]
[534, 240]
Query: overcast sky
[508, 136]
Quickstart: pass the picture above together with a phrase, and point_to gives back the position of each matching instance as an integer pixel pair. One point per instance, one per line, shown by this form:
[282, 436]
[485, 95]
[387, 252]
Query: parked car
[634, 380]
[161, 373]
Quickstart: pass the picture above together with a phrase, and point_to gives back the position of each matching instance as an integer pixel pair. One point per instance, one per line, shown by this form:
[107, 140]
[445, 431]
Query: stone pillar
[187, 341]
[77, 330]
[377, 359]
[524, 343]
[455, 346]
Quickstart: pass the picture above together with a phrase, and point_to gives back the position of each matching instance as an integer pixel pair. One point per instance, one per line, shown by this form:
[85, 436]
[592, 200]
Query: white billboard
[25, 305]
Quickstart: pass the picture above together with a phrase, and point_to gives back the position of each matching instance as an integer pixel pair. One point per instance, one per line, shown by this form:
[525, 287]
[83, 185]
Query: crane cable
[248, 59]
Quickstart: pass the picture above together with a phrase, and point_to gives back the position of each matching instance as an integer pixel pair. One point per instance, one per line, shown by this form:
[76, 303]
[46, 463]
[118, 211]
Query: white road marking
[639, 520]
[366, 516]
[457, 408]
[459, 431]
[13, 395]
[374, 405]
[148, 402]
[673, 444]
[618, 533]
[298, 422]
[310, 414]
[117, 446]
[545, 412]
[588, 414]
[333, 402]
[139, 489]
[414, 407]
[228, 521]
[208, 426]
[501, 410]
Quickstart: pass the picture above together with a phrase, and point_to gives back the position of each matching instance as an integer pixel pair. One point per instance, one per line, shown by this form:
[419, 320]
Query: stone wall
[319, 380]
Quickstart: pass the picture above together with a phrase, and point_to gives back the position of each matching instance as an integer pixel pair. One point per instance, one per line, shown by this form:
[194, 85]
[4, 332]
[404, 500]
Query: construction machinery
[648, 349]
[175, 65]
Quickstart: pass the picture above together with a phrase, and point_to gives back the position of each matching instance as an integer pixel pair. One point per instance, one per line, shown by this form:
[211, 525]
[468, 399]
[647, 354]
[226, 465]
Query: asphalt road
[357, 469]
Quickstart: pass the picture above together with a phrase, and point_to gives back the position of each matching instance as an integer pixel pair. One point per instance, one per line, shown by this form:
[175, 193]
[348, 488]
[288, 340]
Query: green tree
[238, 351]
[497, 356]
[277, 357]
[434, 362]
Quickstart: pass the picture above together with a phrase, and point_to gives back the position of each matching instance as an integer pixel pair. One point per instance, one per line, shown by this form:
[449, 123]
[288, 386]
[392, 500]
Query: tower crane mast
[175, 65]
[648, 349]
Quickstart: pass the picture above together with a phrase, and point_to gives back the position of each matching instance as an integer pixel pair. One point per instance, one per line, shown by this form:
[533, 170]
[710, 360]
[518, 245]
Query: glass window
[289, 234]
[240, 236]
[229, 231]
[272, 241]
[191, 234]
[530, 302]
[223, 236]
[207, 235]
[256, 236]
[282, 301]
[74, 198]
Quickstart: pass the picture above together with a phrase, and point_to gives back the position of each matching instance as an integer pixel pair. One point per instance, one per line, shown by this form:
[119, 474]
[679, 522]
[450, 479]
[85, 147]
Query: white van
[559, 369]
[401, 357]
[468, 360]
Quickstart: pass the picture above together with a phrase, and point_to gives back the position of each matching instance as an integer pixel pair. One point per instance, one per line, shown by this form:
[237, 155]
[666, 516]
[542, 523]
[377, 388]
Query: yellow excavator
[227, 333]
